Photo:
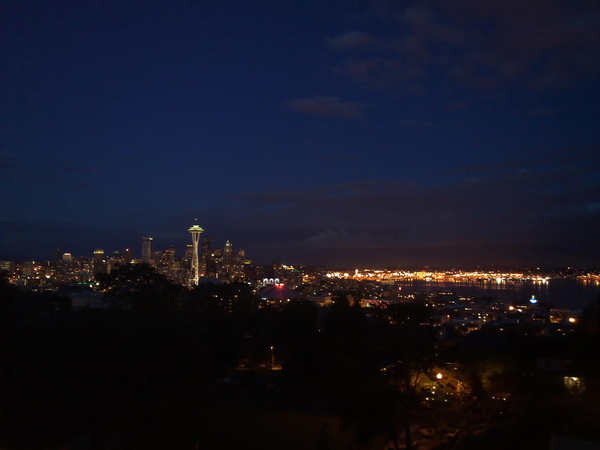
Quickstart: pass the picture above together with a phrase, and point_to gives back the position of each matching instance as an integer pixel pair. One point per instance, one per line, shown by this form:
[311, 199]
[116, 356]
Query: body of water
[563, 292]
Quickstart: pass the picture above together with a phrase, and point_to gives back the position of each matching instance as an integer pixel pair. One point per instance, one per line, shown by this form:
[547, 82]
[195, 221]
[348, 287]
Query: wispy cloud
[535, 45]
[341, 240]
[384, 72]
[514, 208]
[351, 40]
[327, 107]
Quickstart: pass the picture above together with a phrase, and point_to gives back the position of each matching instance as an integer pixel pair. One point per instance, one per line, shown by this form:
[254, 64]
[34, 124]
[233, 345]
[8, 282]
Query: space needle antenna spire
[195, 231]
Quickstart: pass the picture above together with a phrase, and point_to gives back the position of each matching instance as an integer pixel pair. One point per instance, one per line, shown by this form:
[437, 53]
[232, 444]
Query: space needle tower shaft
[195, 231]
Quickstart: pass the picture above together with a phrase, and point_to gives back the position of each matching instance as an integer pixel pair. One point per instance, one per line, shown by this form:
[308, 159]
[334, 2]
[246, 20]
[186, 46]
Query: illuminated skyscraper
[147, 251]
[228, 253]
[127, 256]
[208, 263]
[217, 258]
[227, 259]
[189, 251]
[196, 231]
[169, 255]
[99, 264]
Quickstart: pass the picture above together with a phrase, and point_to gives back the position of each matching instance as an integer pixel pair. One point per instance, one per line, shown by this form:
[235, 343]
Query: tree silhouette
[412, 355]
[298, 344]
[139, 287]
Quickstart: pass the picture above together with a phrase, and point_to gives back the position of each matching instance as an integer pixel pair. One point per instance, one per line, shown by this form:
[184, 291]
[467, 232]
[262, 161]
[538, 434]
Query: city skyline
[369, 133]
[149, 248]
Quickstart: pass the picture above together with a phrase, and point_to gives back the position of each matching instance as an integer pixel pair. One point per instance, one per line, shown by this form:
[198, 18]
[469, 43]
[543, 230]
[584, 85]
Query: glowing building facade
[147, 251]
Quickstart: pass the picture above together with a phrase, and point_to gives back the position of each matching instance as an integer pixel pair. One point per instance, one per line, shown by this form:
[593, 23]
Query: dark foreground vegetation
[212, 368]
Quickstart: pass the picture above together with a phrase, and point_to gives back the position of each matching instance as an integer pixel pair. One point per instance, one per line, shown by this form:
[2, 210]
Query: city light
[453, 276]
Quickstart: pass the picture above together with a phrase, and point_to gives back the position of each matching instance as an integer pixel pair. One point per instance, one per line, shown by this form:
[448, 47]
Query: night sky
[353, 133]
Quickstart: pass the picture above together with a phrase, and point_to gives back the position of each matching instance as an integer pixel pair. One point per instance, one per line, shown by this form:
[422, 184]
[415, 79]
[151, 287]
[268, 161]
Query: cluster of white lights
[453, 276]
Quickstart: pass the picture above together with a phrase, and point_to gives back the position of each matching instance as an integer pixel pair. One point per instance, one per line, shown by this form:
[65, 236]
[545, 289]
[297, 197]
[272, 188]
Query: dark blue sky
[341, 132]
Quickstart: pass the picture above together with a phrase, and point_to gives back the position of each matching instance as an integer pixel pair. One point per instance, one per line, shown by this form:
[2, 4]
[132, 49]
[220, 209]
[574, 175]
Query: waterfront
[568, 293]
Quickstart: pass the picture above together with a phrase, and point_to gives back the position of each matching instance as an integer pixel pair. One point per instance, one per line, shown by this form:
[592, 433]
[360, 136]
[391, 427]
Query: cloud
[342, 240]
[585, 159]
[514, 212]
[269, 200]
[533, 45]
[418, 16]
[383, 72]
[351, 40]
[327, 107]
[412, 46]
[536, 210]
[23, 239]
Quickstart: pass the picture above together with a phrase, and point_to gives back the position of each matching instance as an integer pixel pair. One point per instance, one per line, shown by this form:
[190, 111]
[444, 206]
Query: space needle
[196, 231]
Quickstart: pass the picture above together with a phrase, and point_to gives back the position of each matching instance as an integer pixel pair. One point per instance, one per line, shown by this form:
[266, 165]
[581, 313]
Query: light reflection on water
[563, 292]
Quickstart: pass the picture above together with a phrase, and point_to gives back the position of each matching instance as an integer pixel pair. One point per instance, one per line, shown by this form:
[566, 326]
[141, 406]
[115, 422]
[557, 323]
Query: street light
[439, 377]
